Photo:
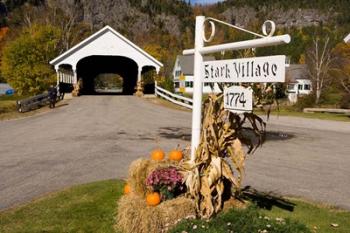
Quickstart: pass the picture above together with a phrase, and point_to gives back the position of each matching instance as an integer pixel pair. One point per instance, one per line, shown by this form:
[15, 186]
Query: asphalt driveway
[96, 138]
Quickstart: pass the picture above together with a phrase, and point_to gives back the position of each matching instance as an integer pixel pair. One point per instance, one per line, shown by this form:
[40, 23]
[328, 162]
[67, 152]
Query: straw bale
[138, 175]
[135, 216]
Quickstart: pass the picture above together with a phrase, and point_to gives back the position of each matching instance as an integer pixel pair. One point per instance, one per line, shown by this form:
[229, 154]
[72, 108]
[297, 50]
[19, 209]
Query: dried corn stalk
[220, 154]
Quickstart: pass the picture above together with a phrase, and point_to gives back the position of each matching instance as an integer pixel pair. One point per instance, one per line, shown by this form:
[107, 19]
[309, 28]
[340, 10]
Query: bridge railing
[176, 99]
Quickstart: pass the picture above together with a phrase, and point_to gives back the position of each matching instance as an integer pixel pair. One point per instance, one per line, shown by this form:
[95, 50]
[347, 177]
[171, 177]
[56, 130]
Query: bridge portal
[104, 53]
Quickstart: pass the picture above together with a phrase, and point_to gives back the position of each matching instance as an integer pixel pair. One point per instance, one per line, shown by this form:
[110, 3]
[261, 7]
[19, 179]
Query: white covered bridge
[106, 51]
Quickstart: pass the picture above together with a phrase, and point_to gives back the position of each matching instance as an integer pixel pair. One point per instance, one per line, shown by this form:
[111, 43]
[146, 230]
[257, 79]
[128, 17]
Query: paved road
[96, 137]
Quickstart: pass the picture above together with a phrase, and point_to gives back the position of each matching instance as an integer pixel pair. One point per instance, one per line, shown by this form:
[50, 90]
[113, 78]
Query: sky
[205, 1]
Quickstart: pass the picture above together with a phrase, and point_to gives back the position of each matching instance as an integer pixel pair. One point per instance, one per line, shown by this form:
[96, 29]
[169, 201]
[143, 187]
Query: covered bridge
[104, 52]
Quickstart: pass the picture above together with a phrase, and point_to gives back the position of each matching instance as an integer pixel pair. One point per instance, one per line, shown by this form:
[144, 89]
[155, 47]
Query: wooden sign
[253, 70]
[238, 99]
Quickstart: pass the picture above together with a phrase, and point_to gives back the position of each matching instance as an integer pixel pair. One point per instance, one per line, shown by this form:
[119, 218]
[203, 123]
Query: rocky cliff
[124, 16]
[243, 16]
[119, 14]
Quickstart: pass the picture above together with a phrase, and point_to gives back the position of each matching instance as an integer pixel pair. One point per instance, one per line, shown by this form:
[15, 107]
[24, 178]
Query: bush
[306, 101]
[25, 60]
[167, 84]
[246, 220]
[345, 101]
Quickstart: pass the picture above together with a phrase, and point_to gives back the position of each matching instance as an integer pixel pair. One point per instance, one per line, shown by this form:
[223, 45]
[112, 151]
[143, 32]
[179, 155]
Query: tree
[318, 60]
[341, 65]
[25, 60]
[3, 33]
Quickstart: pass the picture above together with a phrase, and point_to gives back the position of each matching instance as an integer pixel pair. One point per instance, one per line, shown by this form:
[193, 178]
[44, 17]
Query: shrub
[345, 101]
[306, 101]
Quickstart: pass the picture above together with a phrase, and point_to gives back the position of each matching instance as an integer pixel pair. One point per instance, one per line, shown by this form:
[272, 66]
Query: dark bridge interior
[90, 67]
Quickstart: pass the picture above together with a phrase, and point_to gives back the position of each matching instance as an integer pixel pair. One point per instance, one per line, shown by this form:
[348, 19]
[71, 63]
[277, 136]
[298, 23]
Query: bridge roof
[105, 42]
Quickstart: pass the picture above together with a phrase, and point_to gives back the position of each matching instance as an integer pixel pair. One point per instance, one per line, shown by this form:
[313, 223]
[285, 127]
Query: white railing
[176, 99]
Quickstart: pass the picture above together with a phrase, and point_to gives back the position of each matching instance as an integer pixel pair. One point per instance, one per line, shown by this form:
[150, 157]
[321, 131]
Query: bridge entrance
[107, 74]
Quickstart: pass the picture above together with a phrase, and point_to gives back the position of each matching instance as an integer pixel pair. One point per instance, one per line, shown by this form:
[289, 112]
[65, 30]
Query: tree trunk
[318, 95]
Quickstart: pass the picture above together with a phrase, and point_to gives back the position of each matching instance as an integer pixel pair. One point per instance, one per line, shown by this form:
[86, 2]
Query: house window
[176, 84]
[177, 73]
[307, 87]
[290, 87]
[300, 86]
[206, 84]
[188, 84]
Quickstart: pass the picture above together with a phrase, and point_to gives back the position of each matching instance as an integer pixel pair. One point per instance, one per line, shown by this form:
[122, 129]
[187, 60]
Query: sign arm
[256, 43]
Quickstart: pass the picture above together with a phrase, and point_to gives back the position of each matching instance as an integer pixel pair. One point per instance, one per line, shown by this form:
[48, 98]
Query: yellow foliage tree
[341, 65]
[25, 60]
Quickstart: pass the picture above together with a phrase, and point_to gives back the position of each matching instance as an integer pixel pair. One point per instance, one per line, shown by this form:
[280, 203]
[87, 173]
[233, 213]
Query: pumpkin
[127, 189]
[157, 155]
[153, 199]
[175, 155]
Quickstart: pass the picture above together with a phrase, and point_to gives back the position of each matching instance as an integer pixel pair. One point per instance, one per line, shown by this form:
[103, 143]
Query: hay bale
[135, 216]
[138, 175]
[175, 210]
[234, 203]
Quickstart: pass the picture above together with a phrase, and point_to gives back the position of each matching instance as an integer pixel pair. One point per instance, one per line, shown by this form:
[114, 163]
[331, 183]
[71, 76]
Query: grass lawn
[92, 208]
[321, 116]
[8, 103]
[317, 217]
[83, 208]
[166, 103]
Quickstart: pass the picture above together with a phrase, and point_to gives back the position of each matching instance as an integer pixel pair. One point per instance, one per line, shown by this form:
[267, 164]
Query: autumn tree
[341, 65]
[318, 60]
[3, 33]
[25, 60]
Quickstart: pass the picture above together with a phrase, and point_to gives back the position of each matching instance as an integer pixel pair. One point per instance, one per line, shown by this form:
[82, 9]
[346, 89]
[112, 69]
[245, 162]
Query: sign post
[197, 86]
[263, 69]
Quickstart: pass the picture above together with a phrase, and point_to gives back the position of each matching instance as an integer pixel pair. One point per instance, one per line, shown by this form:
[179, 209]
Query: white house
[183, 75]
[347, 38]
[298, 82]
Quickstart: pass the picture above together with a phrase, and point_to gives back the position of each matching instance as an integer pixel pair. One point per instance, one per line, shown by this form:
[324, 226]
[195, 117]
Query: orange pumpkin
[175, 155]
[127, 189]
[157, 155]
[153, 199]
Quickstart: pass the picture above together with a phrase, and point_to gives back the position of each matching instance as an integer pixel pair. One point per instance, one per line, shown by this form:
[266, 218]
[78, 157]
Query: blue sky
[205, 1]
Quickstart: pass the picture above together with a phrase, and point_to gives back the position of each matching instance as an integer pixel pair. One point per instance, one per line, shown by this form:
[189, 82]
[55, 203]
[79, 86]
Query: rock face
[243, 16]
[119, 14]
[124, 17]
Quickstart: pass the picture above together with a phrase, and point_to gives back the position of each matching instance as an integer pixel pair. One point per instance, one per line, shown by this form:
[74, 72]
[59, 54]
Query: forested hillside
[156, 24]
[165, 27]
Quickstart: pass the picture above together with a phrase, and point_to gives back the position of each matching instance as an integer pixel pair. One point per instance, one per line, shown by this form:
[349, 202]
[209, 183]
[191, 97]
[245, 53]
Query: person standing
[52, 96]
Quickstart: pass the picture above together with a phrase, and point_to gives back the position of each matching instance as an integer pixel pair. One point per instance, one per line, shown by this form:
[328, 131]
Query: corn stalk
[220, 155]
